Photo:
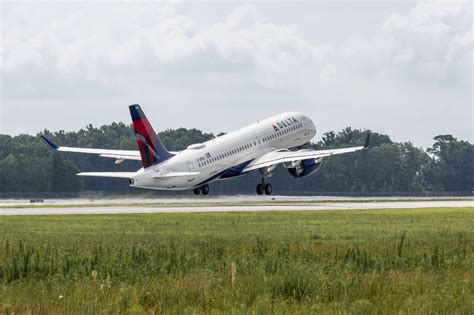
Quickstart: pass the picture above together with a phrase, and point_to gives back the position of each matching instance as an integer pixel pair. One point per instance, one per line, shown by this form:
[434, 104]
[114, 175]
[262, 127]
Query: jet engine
[303, 168]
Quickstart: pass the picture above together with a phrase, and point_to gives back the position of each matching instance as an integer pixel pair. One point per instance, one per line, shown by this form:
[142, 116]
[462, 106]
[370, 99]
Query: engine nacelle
[304, 167]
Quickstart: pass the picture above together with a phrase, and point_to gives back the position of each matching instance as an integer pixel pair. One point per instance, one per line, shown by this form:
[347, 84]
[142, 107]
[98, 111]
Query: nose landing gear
[264, 187]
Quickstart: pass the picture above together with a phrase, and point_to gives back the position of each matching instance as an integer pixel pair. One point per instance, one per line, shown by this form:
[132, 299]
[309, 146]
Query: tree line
[28, 164]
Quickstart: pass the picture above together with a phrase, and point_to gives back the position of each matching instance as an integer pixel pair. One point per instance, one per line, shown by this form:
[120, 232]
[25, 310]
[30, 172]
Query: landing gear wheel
[197, 191]
[268, 189]
[260, 189]
[205, 189]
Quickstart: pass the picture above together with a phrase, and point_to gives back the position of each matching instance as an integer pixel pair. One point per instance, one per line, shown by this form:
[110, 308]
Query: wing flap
[121, 157]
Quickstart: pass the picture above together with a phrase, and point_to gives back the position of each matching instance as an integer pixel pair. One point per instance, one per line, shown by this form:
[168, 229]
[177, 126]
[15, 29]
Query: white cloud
[427, 39]
[147, 52]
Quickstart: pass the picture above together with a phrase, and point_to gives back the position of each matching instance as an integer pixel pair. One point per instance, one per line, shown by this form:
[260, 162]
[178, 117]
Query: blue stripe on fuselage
[236, 170]
[233, 171]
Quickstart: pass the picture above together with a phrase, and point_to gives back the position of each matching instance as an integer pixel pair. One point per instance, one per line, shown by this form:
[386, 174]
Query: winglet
[367, 140]
[53, 144]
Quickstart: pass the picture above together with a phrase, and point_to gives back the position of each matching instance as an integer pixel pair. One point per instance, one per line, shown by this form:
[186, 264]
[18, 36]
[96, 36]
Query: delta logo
[284, 123]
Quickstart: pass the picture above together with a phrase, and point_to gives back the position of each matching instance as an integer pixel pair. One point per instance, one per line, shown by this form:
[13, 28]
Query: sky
[402, 68]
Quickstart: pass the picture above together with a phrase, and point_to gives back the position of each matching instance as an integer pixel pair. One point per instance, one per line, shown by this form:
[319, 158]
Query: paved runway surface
[226, 204]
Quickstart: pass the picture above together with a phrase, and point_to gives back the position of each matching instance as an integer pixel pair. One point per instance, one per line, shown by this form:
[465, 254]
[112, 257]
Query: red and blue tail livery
[152, 150]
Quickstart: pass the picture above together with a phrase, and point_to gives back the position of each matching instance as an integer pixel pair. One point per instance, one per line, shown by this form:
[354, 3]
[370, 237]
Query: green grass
[384, 261]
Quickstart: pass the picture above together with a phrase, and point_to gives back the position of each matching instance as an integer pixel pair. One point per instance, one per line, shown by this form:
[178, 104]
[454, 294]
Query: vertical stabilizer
[152, 151]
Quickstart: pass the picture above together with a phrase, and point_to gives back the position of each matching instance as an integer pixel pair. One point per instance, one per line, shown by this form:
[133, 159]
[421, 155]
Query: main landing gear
[264, 188]
[204, 189]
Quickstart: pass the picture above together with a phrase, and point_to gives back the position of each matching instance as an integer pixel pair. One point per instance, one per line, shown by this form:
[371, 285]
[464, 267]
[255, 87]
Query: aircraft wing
[278, 157]
[114, 154]
[108, 174]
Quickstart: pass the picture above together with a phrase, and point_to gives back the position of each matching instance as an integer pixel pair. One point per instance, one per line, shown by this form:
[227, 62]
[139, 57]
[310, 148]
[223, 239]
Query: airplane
[261, 146]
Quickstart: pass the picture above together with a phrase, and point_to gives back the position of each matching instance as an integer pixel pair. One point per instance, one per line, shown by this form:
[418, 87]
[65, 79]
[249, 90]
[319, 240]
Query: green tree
[63, 175]
[453, 160]
[10, 178]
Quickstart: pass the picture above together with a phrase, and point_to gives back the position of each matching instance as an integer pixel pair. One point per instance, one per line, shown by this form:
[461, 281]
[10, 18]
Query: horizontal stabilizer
[108, 174]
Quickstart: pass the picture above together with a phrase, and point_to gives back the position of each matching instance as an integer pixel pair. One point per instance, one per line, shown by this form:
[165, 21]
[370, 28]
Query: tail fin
[152, 151]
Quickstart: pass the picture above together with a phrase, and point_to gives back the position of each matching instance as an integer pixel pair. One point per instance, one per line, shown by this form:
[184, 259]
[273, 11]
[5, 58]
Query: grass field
[384, 261]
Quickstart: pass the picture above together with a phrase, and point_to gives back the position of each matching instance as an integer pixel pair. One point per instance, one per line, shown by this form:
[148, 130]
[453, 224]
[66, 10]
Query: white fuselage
[226, 156]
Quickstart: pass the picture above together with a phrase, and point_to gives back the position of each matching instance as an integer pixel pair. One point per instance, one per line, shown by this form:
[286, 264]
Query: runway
[224, 204]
